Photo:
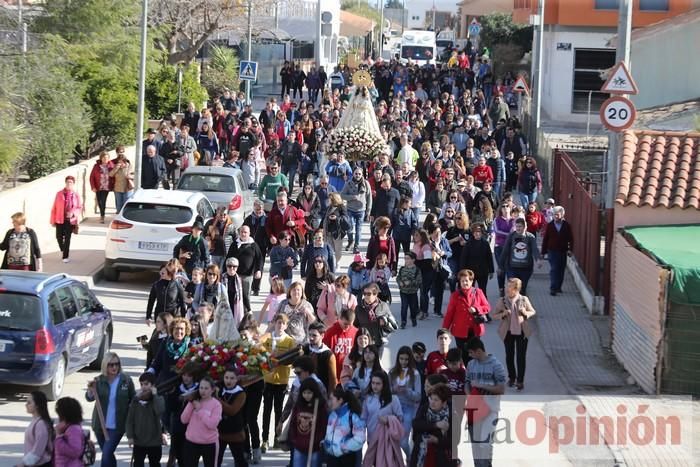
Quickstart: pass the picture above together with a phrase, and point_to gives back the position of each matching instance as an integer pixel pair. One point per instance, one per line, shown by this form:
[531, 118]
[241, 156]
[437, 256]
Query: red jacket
[482, 173]
[95, 176]
[277, 223]
[458, 319]
[535, 221]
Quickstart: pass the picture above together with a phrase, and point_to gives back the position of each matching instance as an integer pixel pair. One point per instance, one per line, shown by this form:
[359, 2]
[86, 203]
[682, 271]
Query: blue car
[50, 326]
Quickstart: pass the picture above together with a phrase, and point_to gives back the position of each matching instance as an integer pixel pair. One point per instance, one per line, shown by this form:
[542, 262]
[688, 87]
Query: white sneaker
[66, 260]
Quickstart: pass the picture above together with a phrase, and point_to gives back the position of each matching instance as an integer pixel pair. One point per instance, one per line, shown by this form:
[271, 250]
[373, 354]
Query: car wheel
[111, 274]
[104, 348]
[54, 388]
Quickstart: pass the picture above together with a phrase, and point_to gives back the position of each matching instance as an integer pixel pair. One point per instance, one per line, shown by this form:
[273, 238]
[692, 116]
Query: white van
[418, 47]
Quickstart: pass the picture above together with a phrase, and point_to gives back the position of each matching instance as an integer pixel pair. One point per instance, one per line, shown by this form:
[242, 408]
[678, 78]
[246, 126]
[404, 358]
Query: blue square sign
[248, 71]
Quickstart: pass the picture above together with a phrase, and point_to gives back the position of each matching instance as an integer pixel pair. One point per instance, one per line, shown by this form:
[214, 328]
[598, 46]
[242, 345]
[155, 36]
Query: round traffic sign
[617, 113]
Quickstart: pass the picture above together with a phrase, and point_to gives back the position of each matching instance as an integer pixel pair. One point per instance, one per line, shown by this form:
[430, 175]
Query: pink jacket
[68, 448]
[59, 204]
[385, 447]
[202, 424]
[326, 306]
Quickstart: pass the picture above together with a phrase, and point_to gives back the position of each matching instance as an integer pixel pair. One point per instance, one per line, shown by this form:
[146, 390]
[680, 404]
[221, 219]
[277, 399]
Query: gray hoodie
[357, 195]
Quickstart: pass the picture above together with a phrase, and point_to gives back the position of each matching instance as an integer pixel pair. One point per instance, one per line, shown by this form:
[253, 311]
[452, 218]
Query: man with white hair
[557, 244]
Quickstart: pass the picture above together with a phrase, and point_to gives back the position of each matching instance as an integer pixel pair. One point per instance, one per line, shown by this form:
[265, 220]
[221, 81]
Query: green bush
[161, 89]
[221, 72]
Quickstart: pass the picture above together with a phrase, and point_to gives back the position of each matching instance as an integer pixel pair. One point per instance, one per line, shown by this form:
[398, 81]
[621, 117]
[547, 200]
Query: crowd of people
[453, 201]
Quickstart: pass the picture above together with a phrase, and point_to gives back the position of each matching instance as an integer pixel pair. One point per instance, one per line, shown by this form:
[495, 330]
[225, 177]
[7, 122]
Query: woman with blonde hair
[514, 311]
[115, 390]
[22, 246]
[333, 300]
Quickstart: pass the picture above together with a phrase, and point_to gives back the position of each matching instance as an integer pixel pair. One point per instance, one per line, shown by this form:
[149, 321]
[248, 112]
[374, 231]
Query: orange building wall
[583, 13]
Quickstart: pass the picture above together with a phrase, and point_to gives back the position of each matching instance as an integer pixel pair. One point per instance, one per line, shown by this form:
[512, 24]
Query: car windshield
[417, 52]
[152, 213]
[20, 312]
[443, 43]
[207, 182]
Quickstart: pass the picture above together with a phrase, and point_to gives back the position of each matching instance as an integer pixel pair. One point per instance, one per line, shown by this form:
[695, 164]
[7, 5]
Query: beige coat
[503, 311]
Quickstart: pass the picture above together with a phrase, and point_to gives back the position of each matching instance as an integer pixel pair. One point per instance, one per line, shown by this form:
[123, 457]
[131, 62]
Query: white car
[143, 235]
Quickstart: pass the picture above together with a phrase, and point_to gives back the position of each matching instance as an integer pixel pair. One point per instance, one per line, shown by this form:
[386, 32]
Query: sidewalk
[572, 341]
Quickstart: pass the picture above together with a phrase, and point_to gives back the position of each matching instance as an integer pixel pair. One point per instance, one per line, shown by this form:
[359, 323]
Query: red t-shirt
[436, 362]
[456, 380]
[340, 342]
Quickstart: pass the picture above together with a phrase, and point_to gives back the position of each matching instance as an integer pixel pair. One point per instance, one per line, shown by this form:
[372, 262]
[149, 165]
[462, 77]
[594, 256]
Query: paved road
[127, 300]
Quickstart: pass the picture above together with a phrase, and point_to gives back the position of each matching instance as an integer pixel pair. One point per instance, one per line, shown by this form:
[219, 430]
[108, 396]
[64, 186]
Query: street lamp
[142, 95]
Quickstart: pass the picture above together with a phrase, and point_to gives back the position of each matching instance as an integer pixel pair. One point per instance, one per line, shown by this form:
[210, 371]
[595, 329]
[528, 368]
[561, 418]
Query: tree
[186, 25]
[13, 133]
[397, 4]
[221, 72]
[161, 89]
[499, 28]
[77, 21]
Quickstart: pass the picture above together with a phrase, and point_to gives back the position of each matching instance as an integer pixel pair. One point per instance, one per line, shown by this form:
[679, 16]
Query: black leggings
[346, 460]
[237, 451]
[193, 451]
[154, 454]
[254, 395]
[63, 234]
[102, 201]
[516, 353]
[462, 345]
[273, 397]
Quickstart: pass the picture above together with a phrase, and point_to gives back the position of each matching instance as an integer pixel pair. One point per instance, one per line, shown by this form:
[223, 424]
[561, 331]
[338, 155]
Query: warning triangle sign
[248, 72]
[620, 81]
[521, 86]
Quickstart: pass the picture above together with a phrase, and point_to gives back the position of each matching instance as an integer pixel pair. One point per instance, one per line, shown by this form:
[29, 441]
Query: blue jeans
[409, 413]
[356, 218]
[527, 198]
[557, 268]
[121, 198]
[299, 458]
[291, 173]
[108, 446]
[409, 300]
[497, 250]
[521, 273]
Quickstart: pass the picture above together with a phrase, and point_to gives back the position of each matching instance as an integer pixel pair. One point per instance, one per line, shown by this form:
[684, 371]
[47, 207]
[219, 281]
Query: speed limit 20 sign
[618, 113]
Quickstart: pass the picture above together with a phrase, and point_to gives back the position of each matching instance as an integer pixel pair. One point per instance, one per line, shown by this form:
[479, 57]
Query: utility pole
[318, 50]
[380, 3]
[142, 94]
[624, 32]
[248, 84]
[537, 81]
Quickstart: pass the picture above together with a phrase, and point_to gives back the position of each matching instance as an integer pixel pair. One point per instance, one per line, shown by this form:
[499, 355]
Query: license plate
[156, 246]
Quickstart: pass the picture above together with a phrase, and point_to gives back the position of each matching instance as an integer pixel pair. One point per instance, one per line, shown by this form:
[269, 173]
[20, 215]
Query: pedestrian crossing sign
[248, 71]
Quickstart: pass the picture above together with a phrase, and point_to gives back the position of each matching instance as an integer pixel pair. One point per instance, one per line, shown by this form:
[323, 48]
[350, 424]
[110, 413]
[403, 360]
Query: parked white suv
[143, 235]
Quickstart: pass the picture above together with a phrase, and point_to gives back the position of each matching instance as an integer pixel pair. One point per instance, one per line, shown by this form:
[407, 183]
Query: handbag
[76, 229]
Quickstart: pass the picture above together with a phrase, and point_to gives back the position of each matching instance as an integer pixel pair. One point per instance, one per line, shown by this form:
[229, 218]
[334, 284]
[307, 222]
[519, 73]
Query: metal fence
[583, 213]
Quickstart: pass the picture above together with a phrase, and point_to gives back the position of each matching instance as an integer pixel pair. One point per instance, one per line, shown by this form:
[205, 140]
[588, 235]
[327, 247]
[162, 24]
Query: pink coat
[57, 210]
[385, 447]
[68, 448]
[326, 306]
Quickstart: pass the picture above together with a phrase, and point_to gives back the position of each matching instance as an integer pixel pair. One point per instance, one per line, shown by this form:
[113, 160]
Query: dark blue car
[50, 326]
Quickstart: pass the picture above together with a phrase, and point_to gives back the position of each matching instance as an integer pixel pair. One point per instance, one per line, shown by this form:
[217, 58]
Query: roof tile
[660, 169]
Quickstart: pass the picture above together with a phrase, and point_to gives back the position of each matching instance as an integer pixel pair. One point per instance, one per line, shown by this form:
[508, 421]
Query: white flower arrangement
[356, 143]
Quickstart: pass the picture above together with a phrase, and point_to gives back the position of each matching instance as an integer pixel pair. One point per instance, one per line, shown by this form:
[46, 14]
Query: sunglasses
[231, 266]
[368, 294]
[113, 364]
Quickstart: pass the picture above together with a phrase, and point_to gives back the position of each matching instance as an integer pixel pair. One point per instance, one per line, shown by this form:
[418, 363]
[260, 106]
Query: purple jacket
[502, 227]
[68, 448]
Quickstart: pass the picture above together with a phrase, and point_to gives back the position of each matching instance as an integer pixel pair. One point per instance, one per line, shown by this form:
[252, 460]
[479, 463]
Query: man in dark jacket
[519, 255]
[372, 313]
[250, 261]
[244, 140]
[256, 223]
[477, 256]
[192, 249]
[557, 244]
[153, 168]
[386, 201]
[290, 155]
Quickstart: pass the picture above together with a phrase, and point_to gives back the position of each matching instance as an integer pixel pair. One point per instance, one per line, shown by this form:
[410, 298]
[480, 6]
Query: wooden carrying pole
[313, 433]
[100, 412]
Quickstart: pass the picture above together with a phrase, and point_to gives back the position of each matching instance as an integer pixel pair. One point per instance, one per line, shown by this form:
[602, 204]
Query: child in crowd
[301, 436]
[277, 342]
[410, 281]
[419, 350]
[191, 288]
[232, 425]
[455, 372]
[437, 359]
[177, 400]
[202, 416]
[199, 329]
[359, 276]
[143, 423]
[378, 409]
[381, 274]
[160, 333]
[406, 385]
[283, 259]
[278, 293]
[362, 377]
[548, 211]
